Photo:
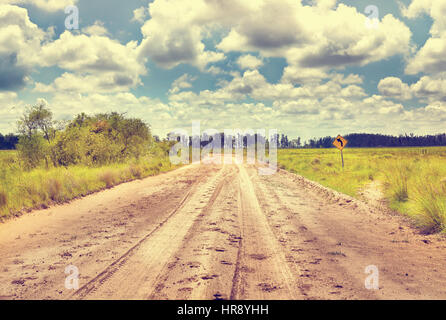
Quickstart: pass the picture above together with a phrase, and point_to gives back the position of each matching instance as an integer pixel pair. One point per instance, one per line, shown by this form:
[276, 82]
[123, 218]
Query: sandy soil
[218, 232]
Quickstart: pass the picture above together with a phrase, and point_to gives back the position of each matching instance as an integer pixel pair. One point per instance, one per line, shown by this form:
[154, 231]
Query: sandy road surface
[218, 232]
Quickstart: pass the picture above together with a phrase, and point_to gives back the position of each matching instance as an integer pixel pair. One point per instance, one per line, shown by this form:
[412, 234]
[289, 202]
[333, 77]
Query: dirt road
[218, 232]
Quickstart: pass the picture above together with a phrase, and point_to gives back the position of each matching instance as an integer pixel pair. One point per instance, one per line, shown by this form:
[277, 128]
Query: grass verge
[414, 179]
[25, 190]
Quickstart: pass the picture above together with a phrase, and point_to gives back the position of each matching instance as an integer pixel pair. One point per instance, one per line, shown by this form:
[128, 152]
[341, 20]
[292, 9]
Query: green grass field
[413, 179]
[22, 190]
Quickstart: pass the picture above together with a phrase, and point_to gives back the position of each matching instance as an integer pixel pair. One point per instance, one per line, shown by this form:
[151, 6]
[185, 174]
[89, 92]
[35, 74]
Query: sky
[305, 68]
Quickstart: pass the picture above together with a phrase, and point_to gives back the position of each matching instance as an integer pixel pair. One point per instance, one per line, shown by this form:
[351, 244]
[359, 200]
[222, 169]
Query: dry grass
[414, 178]
[41, 187]
[136, 171]
[3, 199]
[108, 177]
[54, 188]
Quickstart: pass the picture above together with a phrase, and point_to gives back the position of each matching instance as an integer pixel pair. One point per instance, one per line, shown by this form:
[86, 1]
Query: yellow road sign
[340, 142]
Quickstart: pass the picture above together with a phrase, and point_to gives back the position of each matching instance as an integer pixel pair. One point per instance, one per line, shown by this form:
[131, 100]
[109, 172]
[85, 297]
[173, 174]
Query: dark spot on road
[267, 287]
[258, 256]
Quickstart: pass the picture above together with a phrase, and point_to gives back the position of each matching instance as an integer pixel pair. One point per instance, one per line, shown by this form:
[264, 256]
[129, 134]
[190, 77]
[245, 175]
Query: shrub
[31, 150]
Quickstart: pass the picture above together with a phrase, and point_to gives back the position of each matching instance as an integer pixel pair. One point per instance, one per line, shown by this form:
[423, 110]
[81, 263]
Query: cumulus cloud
[10, 108]
[431, 58]
[317, 37]
[20, 42]
[140, 14]
[253, 85]
[102, 83]
[430, 88]
[175, 32]
[97, 29]
[182, 82]
[249, 62]
[298, 75]
[393, 87]
[101, 62]
[435, 8]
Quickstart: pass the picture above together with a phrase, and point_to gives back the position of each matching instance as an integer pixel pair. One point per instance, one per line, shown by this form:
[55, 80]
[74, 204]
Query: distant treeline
[355, 140]
[8, 142]
[366, 140]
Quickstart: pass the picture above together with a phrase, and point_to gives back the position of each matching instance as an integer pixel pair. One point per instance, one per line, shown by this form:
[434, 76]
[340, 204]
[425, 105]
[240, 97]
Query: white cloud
[249, 62]
[101, 83]
[326, 38]
[253, 85]
[430, 88]
[10, 111]
[97, 29]
[140, 14]
[307, 36]
[298, 75]
[431, 58]
[100, 61]
[215, 70]
[393, 87]
[182, 82]
[20, 42]
[435, 8]
[175, 32]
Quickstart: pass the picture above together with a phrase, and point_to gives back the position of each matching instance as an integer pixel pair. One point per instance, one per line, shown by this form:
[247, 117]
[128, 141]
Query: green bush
[31, 151]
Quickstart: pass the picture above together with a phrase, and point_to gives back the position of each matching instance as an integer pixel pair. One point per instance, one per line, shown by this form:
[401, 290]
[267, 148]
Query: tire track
[133, 275]
[113, 267]
[199, 269]
[262, 271]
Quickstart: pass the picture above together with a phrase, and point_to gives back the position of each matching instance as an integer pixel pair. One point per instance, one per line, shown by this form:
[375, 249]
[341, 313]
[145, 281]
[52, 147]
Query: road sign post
[340, 143]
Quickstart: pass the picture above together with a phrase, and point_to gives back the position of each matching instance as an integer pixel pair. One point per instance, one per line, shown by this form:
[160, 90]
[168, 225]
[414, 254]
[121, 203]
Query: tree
[36, 123]
[37, 118]
[31, 150]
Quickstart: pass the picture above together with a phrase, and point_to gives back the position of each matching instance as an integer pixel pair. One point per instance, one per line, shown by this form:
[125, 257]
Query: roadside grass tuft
[54, 189]
[136, 171]
[108, 177]
[429, 209]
